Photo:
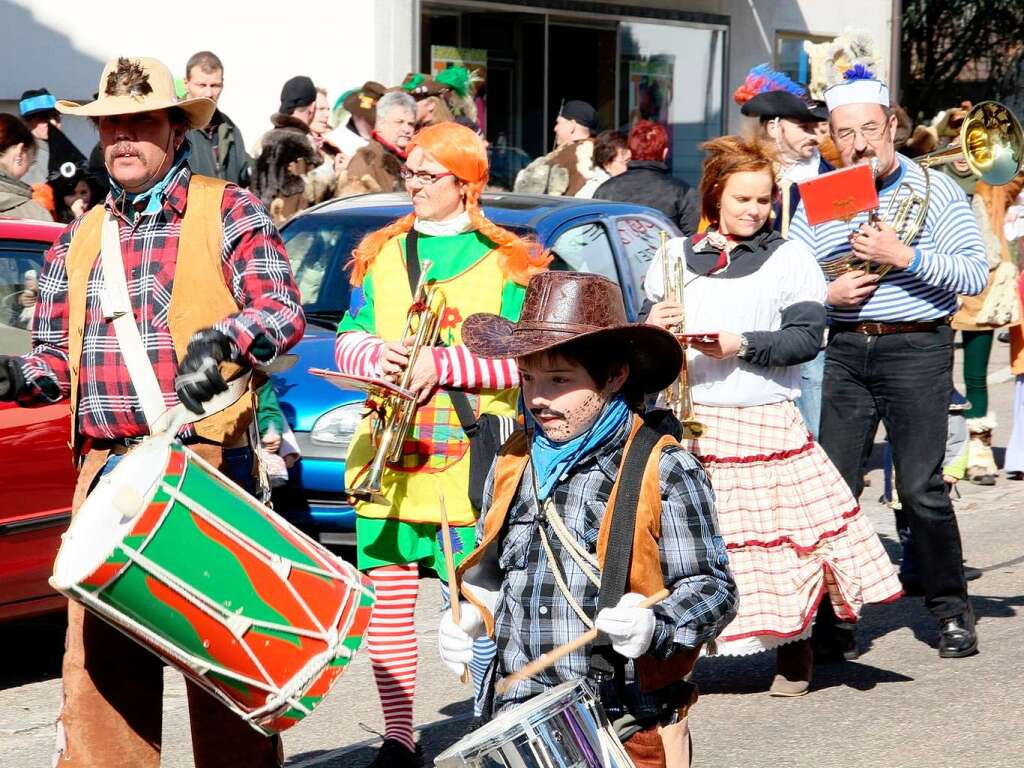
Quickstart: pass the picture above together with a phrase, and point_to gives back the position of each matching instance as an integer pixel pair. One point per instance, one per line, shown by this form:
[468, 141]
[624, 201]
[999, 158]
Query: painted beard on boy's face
[562, 397]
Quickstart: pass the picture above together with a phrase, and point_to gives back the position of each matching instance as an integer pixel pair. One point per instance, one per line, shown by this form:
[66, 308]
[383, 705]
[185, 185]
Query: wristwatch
[741, 353]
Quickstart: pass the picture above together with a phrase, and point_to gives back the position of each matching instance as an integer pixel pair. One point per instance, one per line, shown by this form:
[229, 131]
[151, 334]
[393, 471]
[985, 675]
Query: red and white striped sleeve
[358, 353]
[456, 367]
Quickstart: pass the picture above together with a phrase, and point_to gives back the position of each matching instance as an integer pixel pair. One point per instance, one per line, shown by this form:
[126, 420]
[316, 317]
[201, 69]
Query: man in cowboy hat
[479, 267]
[584, 371]
[205, 289]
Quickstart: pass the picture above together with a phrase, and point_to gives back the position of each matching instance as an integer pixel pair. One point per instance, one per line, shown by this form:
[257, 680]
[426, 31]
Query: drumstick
[453, 584]
[549, 658]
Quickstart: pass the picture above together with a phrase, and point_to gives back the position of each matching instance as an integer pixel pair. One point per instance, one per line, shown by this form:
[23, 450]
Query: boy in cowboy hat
[552, 503]
[208, 283]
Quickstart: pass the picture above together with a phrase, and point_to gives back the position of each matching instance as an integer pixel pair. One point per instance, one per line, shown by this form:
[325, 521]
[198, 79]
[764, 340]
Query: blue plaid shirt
[532, 615]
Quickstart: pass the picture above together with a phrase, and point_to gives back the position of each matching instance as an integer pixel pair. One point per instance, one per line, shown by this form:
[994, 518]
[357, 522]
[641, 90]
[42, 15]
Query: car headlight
[337, 426]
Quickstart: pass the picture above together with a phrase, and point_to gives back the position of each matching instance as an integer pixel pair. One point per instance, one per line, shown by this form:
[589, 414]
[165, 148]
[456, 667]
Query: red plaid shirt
[255, 267]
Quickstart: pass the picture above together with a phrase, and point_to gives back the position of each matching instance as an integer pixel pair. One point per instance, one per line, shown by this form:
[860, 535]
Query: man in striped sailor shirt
[890, 348]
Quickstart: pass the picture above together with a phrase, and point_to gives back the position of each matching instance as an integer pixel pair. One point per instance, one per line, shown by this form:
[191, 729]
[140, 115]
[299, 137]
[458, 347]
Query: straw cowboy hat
[131, 85]
[562, 307]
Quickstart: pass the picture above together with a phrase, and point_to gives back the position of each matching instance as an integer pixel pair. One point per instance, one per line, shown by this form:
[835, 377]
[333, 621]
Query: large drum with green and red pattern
[179, 558]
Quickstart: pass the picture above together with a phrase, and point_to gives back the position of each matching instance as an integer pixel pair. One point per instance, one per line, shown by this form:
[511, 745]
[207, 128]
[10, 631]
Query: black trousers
[904, 381]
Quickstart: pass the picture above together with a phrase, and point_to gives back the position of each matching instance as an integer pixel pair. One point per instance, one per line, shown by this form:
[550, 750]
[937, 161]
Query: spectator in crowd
[218, 149]
[17, 152]
[377, 166]
[38, 109]
[74, 193]
[648, 180]
[611, 154]
[570, 165]
[288, 151]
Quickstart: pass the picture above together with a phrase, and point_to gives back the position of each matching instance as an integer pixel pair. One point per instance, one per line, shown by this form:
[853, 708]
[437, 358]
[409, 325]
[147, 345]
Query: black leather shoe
[971, 573]
[394, 754]
[959, 637]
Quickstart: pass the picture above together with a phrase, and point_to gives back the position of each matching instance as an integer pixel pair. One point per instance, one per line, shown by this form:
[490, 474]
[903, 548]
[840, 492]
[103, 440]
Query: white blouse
[751, 303]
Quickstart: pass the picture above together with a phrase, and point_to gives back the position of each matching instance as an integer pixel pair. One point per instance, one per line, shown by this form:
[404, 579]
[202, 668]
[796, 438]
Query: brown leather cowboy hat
[562, 307]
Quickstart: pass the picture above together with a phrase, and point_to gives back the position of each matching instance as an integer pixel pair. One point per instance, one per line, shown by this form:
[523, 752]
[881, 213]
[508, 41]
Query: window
[790, 56]
[585, 248]
[673, 74]
[641, 239]
[20, 265]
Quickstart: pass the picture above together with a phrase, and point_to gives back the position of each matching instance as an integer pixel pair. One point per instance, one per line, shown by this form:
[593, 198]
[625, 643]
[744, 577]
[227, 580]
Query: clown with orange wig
[479, 267]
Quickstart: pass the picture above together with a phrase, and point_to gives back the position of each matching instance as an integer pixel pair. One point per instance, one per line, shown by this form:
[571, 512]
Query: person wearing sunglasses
[478, 267]
[889, 355]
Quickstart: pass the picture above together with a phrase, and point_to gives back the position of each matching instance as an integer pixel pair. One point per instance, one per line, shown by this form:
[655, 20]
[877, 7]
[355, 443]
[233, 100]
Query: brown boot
[793, 666]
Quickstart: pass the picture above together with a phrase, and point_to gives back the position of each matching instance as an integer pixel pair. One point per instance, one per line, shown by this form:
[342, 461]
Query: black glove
[199, 376]
[12, 378]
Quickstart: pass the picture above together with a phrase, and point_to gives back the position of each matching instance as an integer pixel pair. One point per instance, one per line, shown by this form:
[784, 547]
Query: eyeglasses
[870, 132]
[424, 178]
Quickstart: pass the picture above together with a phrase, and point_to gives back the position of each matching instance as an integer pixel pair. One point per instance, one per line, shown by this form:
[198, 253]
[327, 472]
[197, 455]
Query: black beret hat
[297, 92]
[581, 112]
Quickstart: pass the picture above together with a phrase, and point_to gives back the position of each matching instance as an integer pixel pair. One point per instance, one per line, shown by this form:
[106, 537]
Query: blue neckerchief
[154, 196]
[552, 460]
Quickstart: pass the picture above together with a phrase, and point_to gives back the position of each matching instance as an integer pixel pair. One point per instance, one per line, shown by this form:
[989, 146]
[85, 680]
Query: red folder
[839, 194]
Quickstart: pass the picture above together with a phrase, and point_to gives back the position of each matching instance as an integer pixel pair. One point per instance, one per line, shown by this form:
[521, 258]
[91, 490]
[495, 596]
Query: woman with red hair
[794, 533]
[479, 267]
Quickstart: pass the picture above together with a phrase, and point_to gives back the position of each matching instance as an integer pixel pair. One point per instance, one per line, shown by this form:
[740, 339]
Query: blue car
[617, 240]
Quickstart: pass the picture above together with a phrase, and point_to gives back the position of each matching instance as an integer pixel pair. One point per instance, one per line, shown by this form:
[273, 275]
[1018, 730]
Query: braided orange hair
[463, 153]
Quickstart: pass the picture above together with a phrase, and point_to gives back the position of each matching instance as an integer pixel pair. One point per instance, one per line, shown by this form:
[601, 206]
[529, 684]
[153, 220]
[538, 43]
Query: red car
[36, 476]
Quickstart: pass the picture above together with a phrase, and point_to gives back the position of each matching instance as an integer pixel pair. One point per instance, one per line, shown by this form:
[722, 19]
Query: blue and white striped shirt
[950, 256]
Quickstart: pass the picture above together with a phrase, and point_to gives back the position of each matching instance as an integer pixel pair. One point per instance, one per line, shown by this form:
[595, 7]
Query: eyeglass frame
[868, 138]
[408, 175]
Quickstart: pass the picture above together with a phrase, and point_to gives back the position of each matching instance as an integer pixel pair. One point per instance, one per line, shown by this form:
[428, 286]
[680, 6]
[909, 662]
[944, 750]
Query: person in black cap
[287, 153]
[570, 165]
[38, 109]
[789, 122]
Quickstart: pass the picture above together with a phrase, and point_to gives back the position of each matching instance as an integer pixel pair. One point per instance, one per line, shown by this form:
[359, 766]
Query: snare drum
[180, 559]
[562, 728]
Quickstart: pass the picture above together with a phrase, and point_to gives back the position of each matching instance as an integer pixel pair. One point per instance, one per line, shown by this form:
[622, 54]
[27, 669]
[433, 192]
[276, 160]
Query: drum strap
[619, 552]
[117, 307]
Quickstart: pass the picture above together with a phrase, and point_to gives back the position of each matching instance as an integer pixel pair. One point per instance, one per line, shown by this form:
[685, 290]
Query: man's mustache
[124, 149]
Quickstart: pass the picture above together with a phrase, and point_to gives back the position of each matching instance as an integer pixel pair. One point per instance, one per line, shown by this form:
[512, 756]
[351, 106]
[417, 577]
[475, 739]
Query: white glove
[455, 641]
[628, 627]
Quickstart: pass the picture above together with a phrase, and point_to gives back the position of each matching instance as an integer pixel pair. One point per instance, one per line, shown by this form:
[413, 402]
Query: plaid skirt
[793, 530]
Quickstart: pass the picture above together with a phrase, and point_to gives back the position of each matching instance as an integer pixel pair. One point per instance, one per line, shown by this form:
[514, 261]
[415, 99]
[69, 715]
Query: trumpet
[992, 145]
[677, 397]
[393, 414]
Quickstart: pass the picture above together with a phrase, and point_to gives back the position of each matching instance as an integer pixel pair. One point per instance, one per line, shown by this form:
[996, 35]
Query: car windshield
[319, 248]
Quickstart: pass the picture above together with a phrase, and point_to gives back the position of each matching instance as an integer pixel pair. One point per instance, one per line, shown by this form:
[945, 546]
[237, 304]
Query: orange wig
[463, 153]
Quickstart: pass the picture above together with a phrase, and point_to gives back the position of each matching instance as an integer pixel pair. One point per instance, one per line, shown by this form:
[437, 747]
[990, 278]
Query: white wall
[62, 45]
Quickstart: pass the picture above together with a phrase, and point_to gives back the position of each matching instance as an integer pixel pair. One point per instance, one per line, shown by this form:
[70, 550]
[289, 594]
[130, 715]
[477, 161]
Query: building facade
[676, 61]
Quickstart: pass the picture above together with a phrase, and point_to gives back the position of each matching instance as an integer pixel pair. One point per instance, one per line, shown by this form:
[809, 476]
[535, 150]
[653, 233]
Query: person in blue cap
[38, 108]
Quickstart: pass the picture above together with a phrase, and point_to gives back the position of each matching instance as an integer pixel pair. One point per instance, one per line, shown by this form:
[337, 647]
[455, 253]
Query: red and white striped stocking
[391, 642]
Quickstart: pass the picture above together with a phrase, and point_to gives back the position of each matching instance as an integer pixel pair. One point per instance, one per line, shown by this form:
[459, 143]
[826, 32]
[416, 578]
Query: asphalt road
[898, 705]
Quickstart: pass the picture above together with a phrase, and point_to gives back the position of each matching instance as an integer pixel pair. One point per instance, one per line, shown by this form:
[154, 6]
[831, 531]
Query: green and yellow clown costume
[435, 455]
